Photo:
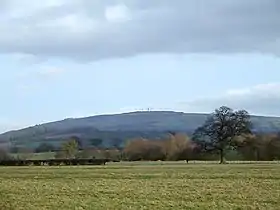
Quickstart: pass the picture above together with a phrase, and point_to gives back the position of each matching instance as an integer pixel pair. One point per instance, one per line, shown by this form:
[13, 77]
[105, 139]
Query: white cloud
[118, 13]
[263, 99]
[90, 30]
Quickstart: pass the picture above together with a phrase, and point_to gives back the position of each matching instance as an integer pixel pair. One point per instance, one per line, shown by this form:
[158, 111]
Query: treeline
[226, 134]
[53, 162]
[262, 147]
[175, 147]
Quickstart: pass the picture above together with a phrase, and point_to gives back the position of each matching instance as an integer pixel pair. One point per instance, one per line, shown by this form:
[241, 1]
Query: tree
[144, 149]
[272, 147]
[96, 142]
[70, 148]
[60, 155]
[259, 147]
[25, 153]
[116, 143]
[220, 129]
[178, 147]
[249, 146]
[45, 147]
[87, 153]
[78, 140]
[4, 155]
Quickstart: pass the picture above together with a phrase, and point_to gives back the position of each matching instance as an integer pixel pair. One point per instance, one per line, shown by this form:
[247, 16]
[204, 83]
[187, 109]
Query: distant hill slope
[119, 127]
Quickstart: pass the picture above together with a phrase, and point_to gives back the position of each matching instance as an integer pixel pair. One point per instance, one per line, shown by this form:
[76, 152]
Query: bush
[143, 149]
[60, 155]
[86, 153]
[4, 155]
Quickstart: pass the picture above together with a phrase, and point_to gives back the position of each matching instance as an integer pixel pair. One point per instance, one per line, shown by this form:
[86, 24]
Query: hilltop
[115, 129]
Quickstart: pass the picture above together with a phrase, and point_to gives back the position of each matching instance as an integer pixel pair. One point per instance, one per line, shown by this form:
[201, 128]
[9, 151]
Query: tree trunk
[222, 157]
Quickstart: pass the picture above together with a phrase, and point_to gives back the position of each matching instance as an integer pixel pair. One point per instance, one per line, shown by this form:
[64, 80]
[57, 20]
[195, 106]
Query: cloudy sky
[72, 58]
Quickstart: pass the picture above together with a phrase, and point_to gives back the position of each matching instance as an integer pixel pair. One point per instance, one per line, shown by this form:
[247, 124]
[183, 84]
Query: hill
[115, 129]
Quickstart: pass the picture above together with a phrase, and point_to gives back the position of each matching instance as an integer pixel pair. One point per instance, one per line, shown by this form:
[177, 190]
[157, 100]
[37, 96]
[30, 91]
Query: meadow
[155, 185]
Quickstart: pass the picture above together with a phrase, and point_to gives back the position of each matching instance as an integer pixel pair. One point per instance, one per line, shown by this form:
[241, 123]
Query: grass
[141, 186]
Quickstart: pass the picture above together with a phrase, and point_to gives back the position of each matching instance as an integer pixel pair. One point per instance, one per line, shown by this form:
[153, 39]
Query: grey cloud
[261, 100]
[159, 26]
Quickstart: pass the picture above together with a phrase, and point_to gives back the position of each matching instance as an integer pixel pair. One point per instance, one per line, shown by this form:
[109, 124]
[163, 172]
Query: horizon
[68, 59]
[122, 113]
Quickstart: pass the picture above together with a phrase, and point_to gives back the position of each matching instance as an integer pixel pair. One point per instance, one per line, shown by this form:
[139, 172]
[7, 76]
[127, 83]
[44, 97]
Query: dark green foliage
[116, 143]
[45, 147]
[96, 142]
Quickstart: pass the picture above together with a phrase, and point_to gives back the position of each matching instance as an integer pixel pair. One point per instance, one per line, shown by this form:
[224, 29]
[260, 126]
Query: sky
[74, 58]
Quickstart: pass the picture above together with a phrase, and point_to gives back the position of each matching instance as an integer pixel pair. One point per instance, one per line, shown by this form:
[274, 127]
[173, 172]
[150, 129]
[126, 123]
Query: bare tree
[220, 129]
[144, 149]
[178, 147]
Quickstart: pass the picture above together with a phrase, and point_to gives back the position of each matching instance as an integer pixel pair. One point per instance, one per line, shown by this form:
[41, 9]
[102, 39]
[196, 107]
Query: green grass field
[141, 186]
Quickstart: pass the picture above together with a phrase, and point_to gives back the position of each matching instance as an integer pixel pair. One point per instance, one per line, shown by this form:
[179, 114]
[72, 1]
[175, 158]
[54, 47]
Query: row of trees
[49, 147]
[181, 147]
[224, 130]
[178, 146]
[175, 147]
[219, 133]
